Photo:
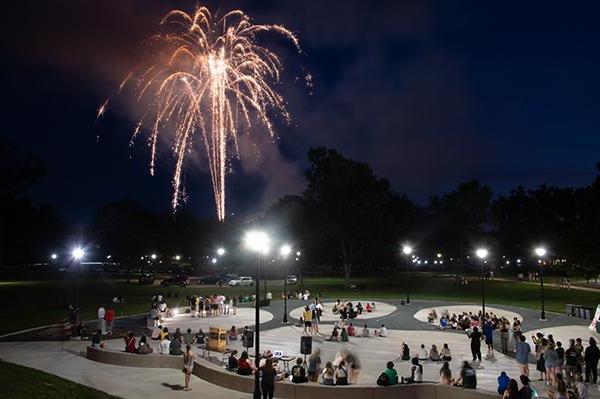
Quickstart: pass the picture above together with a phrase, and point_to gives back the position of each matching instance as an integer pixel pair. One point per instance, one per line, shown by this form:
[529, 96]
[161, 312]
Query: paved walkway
[65, 360]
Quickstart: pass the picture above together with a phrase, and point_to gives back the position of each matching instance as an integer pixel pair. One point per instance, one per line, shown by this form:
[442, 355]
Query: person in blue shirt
[503, 381]
[488, 332]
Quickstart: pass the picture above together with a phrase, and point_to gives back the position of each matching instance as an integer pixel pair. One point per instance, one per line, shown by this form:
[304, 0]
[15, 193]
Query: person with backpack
[468, 378]
[299, 373]
[341, 374]
[389, 375]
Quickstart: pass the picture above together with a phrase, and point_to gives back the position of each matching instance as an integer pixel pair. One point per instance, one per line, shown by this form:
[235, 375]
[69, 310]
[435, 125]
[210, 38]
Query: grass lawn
[30, 303]
[27, 383]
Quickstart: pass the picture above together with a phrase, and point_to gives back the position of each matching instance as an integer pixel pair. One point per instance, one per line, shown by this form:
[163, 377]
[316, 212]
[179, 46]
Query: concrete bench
[217, 375]
[152, 360]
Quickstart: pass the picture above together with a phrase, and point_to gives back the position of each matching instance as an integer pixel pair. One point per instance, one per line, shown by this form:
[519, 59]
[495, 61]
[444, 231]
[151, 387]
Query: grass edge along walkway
[19, 382]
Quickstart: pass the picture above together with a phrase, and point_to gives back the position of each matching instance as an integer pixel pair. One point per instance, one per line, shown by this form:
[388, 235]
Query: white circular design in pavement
[422, 314]
[564, 333]
[381, 309]
[244, 317]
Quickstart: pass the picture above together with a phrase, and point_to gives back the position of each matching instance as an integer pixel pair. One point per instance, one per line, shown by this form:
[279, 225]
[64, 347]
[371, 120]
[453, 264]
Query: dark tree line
[347, 220]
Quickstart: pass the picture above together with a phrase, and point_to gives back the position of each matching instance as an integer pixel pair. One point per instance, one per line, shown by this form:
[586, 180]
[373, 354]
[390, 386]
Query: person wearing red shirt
[130, 343]
[110, 318]
[244, 366]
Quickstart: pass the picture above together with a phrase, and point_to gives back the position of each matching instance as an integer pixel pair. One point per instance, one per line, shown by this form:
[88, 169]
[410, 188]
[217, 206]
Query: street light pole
[482, 253]
[407, 250]
[540, 252]
[285, 251]
[257, 330]
[258, 242]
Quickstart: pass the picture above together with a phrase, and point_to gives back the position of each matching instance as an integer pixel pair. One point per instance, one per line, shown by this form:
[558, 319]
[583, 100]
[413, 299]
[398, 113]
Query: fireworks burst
[211, 79]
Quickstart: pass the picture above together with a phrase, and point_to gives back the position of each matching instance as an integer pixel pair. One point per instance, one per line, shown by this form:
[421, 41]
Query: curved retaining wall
[284, 389]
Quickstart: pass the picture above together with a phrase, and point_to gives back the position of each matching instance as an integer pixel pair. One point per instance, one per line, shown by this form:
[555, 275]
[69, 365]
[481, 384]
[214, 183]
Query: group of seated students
[341, 333]
[347, 310]
[464, 320]
[467, 377]
[433, 354]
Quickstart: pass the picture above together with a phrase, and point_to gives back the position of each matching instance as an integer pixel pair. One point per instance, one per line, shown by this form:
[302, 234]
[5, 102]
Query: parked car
[180, 279]
[291, 279]
[146, 278]
[242, 282]
[215, 280]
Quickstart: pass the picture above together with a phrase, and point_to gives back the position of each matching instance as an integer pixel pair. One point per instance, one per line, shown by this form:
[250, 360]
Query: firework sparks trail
[212, 79]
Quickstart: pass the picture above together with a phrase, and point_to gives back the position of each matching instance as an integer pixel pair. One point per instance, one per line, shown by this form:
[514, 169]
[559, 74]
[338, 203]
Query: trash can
[586, 313]
[570, 309]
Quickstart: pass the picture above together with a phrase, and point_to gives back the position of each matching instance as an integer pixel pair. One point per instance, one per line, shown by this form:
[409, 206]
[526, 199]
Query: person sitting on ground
[359, 308]
[373, 306]
[200, 336]
[389, 376]
[189, 338]
[525, 392]
[233, 334]
[143, 347]
[97, 339]
[368, 308]
[446, 355]
[164, 334]
[405, 352]
[446, 374]
[365, 332]
[423, 353]
[163, 347]
[503, 380]
[334, 334]
[327, 378]
[344, 335]
[468, 378]
[512, 390]
[299, 373]
[416, 372]
[244, 367]
[156, 333]
[232, 362]
[351, 330]
[129, 342]
[382, 332]
[434, 355]
[341, 374]
[175, 346]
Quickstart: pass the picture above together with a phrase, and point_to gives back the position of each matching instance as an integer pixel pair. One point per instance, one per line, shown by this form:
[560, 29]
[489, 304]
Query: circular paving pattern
[244, 317]
[422, 314]
[381, 309]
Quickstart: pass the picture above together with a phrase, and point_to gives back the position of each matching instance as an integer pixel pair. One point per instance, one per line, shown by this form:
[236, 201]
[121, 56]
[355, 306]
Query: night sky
[430, 93]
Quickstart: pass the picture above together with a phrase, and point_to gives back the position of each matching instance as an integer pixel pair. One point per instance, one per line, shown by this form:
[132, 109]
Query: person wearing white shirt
[101, 321]
[163, 347]
[382, 332]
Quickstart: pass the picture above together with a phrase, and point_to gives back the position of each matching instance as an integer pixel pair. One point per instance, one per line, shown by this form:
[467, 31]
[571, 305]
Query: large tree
[350, 206]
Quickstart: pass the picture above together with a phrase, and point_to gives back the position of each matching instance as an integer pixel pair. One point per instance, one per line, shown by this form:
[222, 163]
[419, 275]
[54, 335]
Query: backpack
[383, 380]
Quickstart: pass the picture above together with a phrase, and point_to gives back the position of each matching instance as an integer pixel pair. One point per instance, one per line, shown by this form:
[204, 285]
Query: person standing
[591, 357]
[188, 366]
[504, 335]
[488, 332]
[267, 384]
[571, 357]
[101, 320]
[110, 318]
[522, 355]
[476, 338]
[307, 317]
